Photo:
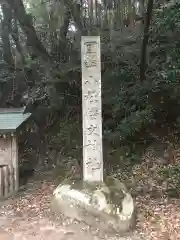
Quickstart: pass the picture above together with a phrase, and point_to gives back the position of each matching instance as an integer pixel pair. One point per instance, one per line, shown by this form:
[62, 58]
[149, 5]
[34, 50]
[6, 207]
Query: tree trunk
[75, 9]
[6, 26]
[143, 61]
[62, 44]
[15, 37]
[26, 24]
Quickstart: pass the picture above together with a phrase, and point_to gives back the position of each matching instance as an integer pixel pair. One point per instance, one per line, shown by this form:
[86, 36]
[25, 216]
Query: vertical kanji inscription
[92, 109]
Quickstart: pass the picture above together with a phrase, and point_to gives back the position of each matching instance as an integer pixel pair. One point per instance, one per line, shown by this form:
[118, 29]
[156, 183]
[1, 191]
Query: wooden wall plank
[15, 162]
[1, 183]
[5, 151]
[6, 182]
[11, 178]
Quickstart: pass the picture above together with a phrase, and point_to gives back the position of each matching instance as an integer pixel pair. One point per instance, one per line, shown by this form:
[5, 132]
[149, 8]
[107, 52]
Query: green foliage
[125, 155]
[131, 107]
[66, 136]
[128, 103]
[168, 18]
[165, 31]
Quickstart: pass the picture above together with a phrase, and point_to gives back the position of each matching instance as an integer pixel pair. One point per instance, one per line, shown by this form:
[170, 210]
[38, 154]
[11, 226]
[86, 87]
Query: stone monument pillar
[91, 108]
[102, 203]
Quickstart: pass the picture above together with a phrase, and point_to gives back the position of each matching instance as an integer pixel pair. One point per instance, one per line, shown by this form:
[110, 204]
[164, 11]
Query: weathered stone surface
[5, 236]
[107, 206]
[91, 109]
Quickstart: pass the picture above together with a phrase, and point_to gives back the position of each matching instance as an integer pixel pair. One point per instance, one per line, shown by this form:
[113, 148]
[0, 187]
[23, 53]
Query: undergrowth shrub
[67, 137]
[131, 109]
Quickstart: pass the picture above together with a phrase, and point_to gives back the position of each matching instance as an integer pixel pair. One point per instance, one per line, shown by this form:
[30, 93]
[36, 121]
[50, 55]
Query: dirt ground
[27, 216]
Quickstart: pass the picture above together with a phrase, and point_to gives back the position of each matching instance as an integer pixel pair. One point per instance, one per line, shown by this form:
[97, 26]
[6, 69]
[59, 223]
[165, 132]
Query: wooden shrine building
[11, 120]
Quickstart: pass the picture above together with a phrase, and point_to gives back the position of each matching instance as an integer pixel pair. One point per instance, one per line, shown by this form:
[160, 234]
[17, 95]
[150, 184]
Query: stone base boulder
[107, 206]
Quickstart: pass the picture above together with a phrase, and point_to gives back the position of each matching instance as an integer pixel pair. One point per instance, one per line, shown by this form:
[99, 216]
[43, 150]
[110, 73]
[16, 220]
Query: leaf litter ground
[27, 216]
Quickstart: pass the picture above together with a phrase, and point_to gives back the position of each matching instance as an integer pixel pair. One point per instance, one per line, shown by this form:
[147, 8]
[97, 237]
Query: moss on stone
[113, 190]
[108, 201]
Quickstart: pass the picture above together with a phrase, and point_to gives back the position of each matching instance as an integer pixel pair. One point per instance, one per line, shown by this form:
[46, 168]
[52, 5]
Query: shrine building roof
[12, 118]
